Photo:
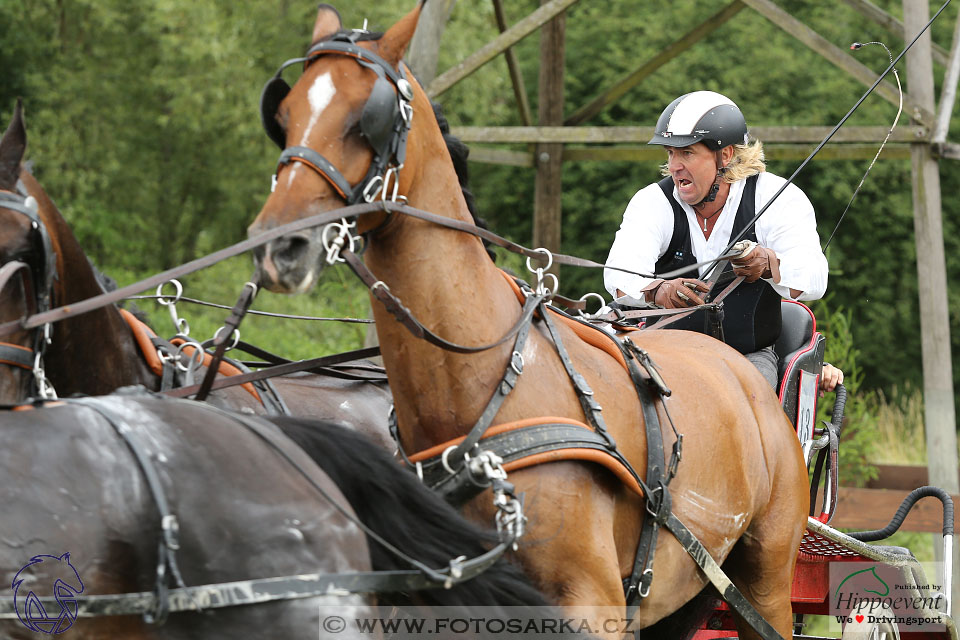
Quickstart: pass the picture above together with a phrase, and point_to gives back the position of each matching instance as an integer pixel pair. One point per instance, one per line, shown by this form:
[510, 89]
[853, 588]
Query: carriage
[287, 250]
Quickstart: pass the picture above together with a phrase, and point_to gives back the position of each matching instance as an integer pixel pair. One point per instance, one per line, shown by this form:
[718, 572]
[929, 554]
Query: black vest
[751, 313]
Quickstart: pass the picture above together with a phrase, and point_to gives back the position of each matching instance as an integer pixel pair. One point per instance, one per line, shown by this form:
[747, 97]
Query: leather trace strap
[278, 370]
[728, 591]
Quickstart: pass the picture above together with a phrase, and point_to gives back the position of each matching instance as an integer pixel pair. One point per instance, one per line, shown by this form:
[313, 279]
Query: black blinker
[379, 115]
[273, 94]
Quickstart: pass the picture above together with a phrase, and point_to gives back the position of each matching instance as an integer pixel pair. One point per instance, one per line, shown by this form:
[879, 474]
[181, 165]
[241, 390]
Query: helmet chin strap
[715, 187]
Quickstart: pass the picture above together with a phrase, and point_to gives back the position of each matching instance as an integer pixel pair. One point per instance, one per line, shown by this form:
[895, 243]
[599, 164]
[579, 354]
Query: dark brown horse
[741, 486]
[96, 353]
[101, 478]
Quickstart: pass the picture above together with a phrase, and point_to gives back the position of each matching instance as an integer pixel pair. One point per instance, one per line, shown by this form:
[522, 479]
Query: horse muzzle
[289, 264]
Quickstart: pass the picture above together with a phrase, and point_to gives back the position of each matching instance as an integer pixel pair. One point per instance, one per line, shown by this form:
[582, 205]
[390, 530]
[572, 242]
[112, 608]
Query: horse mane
[108, 284]
[398, 507]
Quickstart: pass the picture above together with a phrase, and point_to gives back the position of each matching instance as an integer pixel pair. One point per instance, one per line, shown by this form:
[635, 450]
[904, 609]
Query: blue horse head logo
[66, 587]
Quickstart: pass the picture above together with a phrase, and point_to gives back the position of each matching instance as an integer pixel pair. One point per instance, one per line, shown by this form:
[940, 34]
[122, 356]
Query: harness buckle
[646, 580]
[394, 173]
[456, 571]
[372, 188]
[516, 362]
[170, 527]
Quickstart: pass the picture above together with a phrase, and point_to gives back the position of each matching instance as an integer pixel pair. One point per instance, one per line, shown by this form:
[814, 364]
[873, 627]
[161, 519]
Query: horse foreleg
[570, 551]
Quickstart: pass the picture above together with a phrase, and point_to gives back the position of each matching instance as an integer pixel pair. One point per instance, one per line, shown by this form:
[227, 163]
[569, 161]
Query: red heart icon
[859, 618]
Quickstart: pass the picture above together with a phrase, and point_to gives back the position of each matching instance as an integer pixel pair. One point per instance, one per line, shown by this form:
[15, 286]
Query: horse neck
[450, 285]
[93, 353]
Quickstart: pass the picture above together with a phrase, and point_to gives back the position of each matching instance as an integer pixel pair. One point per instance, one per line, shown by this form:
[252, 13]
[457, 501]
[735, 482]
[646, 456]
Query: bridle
[384, 121]
[40, 271]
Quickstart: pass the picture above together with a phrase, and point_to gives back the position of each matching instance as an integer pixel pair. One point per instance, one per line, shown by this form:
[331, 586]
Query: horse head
[25, 275]
[345, 127]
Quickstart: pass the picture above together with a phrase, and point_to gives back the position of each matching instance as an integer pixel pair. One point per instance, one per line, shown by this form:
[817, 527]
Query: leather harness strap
[523, 444]
[221, 340]
[156, 605]
[148, 342]
[507, 382]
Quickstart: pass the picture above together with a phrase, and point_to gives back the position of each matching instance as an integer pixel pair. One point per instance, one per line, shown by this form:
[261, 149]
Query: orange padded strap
[585, 455]
[492, 431]
[226, 369]
[593, 337]
[142, 334]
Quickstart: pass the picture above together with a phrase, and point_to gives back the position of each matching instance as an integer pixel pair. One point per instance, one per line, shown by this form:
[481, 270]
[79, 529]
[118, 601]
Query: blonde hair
[747, 160]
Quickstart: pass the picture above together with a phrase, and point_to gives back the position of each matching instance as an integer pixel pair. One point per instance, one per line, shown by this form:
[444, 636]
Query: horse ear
[12, 146]
[394, 42]
[328, 22]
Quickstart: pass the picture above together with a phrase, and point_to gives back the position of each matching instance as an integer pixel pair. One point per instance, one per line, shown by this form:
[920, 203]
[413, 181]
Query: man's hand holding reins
[679, 293]
[760, 262]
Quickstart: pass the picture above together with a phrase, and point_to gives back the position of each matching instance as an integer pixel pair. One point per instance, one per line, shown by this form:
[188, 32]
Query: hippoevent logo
[46, 576]
[880, 600]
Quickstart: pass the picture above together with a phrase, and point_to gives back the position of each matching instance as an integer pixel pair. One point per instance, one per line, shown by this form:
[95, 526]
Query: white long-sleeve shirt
[789, 227]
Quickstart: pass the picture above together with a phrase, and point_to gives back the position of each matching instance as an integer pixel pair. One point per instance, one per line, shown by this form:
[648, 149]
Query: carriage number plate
[806, 405]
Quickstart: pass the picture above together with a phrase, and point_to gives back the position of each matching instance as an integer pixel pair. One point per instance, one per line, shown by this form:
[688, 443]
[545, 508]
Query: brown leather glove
[761, 262]
[679, 293]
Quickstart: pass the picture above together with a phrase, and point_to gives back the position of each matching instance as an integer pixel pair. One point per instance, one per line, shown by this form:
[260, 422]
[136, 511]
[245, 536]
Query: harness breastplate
[751, 312]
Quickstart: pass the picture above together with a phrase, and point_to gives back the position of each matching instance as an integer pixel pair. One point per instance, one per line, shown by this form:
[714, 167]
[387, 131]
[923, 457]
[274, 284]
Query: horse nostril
[288, 251]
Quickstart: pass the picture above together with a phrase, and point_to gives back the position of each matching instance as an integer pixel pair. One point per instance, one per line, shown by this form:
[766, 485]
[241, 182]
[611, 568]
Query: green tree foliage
[777, 81]
[859, 429]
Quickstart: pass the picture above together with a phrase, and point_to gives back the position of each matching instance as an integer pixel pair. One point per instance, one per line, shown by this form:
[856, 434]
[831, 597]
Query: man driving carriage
[715, 182]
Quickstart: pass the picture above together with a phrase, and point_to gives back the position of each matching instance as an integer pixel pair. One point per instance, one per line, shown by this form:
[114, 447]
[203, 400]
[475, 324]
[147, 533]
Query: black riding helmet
[701, 116]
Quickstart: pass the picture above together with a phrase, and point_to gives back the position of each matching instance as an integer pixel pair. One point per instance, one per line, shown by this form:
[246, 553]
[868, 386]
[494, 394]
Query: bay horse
[98, 352]
[107, 479]
[347, 125]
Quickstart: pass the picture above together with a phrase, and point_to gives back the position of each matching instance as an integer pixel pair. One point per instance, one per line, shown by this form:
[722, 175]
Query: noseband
[40, 271]
[384, 121]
